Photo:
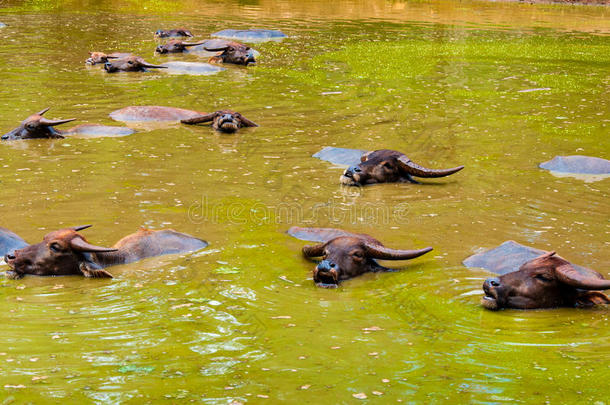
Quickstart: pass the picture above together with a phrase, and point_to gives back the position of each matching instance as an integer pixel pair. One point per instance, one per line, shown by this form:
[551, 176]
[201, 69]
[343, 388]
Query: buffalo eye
[542, 278]
[387, 165]
[358, 255]
[30, 126]
[55, 247]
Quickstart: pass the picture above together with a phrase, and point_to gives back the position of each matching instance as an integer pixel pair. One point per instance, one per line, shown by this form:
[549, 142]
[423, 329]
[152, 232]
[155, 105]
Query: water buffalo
[231, 52]
[223, 120]
[546, 281]
[388, 166]
[178, 32]
[130, 63]
[67, 252]
[346, 255]
[100, 57]
[36, 127]
[9, 242]
[176, 46]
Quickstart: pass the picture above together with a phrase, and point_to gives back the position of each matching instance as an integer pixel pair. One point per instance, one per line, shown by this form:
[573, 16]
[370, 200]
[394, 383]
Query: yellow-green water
[242, 320]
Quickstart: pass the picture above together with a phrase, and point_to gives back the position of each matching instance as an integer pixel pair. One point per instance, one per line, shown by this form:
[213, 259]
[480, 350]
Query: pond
[448, 83]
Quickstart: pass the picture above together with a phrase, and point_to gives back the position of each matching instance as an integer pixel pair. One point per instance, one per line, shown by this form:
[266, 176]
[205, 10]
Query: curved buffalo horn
[80, 245]
[43, 111]
[193, 43]
[384, 253]
[217, 49]
[80, 227]
[567, 274]
[200, 118]
[314, 251]
[148, 65]
[52, 123]
[247, 122]
[416, 170]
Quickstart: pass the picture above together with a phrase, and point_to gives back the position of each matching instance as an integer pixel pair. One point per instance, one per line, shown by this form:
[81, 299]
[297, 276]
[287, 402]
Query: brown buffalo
[224, 120]
[176, 46]
[346, 255]
[231, 52]
[178, 32]
[100, 57]
[130, 63]
[545, 282]
[388, 166]
[67, 252]
[37, 127]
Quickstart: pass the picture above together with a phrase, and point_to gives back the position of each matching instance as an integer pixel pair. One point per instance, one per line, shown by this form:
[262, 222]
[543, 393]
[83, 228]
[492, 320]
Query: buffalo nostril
[4, 137]
[494, 282]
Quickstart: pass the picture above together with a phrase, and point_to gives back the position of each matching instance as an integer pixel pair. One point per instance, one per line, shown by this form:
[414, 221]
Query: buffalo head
[223, 120]
[36, 126]
[349, 256]
[61, 253]
[388, 166]
[232, 52]
[545, 282]
[175, 46]
[129, 64]
[179, 32]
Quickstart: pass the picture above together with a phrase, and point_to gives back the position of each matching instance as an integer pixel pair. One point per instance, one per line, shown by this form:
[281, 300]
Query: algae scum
[489, 86]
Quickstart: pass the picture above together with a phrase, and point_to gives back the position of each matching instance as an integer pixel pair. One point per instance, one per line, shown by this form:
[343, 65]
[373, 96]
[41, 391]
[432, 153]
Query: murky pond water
[242, 321]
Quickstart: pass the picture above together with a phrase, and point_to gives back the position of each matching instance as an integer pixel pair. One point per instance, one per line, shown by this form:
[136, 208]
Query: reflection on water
[447, 83]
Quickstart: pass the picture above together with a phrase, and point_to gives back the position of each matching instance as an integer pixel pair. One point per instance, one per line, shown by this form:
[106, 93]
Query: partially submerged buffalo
[230, 52]
[547, 281]
[346, 255]
[389, 166]
[153, 113]
[37, 127]
[224, 120]
[251, 35]
[131, 63]
[96, 58]
[531, 278]
[176, 46]
[67, 252]
[178, 32]
[9, 242]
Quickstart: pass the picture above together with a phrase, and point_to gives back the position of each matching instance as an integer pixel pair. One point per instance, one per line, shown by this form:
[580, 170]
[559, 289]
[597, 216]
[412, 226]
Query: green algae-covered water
[497, 87]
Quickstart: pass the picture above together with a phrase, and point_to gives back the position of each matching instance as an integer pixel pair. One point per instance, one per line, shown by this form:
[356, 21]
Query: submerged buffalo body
[542, 279]
[254, 35]
[9, 242]
[577, 164]
[37, 127]
[153, 113]
[346, 255]
[67, 252]
[230, 52]
[131, 63]
[178, 32]
[224, 120]
[389, 166]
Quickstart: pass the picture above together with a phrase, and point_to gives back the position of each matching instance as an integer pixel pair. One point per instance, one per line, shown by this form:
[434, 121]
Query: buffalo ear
[91, 269]
[365, 157]
[592, 298]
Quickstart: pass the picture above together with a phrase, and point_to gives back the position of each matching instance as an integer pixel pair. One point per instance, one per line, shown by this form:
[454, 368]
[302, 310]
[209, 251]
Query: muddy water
[444, 82]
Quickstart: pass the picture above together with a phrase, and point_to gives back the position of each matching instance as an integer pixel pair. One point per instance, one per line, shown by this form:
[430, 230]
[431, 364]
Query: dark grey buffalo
[37, 127]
